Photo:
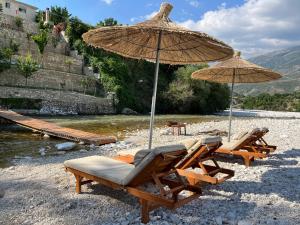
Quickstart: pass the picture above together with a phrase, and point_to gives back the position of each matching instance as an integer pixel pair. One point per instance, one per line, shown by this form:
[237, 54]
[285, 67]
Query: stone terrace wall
[53, 58]
[49, 79]
[9, 22]
[26, 45]
[54, 61]
[55, 102]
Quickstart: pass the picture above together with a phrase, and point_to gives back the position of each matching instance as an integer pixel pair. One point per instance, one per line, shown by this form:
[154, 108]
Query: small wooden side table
[178, 126]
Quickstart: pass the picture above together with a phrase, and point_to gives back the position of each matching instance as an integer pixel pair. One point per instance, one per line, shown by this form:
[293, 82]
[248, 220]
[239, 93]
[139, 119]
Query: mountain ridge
[286, 62]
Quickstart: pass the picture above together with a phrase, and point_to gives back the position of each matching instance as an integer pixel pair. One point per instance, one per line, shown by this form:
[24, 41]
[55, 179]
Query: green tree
[107, 22]
[59, 15]
[75, 29]
[41, 39]
[186, 95]
[27, 66]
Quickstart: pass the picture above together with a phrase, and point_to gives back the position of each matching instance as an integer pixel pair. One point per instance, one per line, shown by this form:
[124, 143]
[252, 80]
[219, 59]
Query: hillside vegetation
[277, 102]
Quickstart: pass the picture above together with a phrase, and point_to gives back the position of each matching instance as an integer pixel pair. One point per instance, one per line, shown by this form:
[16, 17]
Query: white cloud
[256, 27]
[108, 2]
[194, 3]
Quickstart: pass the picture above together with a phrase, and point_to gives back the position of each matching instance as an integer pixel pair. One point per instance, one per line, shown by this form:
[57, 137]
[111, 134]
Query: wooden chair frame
[156, 172]
[261, 145]
[247, 150]
[196, 159]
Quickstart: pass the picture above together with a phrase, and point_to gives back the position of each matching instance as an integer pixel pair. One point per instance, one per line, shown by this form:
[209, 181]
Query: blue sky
[251, 26]
[92, 11]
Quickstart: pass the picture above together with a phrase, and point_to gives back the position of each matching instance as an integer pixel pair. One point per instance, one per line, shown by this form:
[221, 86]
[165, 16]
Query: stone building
[18, 9]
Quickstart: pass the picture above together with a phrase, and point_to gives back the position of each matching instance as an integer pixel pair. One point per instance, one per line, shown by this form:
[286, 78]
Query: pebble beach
[38, 190]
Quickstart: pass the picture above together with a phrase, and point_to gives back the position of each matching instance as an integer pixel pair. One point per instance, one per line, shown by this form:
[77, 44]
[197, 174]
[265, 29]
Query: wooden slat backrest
[248, 139]
[163, 162]
[202, 152]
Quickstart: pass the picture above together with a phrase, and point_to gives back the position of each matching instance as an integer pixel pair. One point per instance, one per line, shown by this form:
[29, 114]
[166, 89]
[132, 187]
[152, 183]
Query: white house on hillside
[18, 9]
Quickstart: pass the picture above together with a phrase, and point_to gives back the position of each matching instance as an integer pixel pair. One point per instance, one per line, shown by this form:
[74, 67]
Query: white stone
[219, 220]
[245, 222]
[46, 136]
[65, 146]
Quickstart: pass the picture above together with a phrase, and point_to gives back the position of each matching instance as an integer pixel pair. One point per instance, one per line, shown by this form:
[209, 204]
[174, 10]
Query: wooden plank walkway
[55, 130]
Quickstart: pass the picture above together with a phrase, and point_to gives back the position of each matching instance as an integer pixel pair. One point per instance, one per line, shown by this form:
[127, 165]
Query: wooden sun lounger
[245, 147]
[155, 167]
[203, 151]
[261, 144]
[199, 152]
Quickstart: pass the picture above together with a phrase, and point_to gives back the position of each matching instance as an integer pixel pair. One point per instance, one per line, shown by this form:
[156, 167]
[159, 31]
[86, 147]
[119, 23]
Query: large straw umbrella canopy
[235, 70]
[159, 40]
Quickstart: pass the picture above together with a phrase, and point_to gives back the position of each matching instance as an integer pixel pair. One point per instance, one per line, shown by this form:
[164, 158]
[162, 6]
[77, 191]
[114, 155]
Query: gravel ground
[38, 191]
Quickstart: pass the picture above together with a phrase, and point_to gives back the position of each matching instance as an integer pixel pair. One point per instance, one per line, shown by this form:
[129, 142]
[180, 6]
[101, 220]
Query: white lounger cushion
[190, 144]
[115, 170]
[142, 154]
[103, 167]
[235, 144]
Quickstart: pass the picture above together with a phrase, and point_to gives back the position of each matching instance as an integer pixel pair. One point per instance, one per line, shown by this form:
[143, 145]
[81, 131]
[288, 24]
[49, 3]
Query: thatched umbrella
[235, 70]
[159, 40]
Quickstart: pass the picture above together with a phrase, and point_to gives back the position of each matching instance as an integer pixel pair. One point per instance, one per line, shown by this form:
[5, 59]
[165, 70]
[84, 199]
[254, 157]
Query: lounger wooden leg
[145, 211]
[247, 161]
[78, 184]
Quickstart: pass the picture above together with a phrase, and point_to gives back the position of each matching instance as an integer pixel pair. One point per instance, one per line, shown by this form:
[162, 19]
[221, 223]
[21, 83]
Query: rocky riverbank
[38, 191]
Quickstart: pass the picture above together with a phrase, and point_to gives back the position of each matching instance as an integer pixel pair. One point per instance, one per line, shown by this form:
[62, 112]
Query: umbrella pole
[154, 91]
[230, 111]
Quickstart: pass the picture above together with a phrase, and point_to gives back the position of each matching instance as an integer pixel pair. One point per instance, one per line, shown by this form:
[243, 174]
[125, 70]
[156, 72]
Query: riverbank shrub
[276, 102]
[187, 95]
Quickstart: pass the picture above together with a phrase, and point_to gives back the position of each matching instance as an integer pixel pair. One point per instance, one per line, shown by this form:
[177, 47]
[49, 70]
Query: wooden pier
[54, 130]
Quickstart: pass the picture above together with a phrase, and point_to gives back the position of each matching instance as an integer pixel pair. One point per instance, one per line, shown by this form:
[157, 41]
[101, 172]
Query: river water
[16, 142]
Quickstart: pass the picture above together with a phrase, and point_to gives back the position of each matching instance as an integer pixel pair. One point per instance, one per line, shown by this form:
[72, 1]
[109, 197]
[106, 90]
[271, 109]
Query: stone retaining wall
[21, 38]
[9, 22]
[56, 102]
[50, 79]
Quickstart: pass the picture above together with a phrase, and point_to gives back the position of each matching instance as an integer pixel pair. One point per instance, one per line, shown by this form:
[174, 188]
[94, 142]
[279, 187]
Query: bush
[19, 22]
[41, 39]
[186, 95]
[4, 61]
[276, 102]
[75, 29]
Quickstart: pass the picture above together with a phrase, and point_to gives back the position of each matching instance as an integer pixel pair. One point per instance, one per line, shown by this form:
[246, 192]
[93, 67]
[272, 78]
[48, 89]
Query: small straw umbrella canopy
[235, 70]
[159, 40]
